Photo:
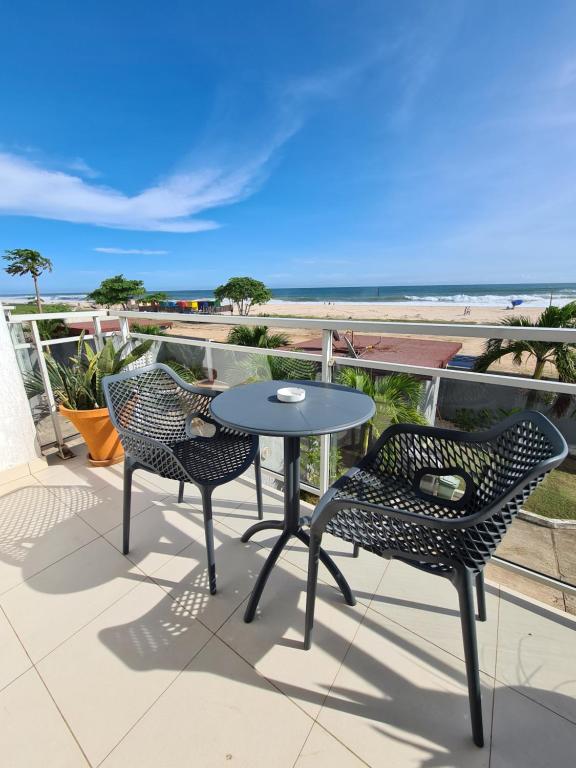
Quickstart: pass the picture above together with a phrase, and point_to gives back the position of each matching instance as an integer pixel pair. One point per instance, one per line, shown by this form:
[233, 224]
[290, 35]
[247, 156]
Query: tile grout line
[494, 684]
[160, 695]
[37, 672]
[338, 672]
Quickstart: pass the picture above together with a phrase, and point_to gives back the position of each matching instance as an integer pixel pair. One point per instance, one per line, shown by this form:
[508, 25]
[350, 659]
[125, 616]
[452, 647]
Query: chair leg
[181, 492]
[313, 558]
[127, 497]
[258, 474]
[209, 533]
[481, 596]
[464, 585]
[356, 551]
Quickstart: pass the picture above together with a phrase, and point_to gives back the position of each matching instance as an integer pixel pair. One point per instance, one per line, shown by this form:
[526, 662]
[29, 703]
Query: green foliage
[310, 461]
[272, 367]
[157, 296]
[186, 373]
[153, 330]
[116, 290]
[244, 293]
[78, 384]
[556, 496]
[397, 399]
[560, 355]
[32, 309]
[470, 420]
[24, 261]
[257, 336]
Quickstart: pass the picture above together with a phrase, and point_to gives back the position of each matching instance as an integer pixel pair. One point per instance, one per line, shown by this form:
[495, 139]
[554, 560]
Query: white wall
[18, 444]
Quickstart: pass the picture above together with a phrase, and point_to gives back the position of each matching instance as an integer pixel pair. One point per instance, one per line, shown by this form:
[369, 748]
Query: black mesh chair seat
[385, 505]
[208, 460]
[165, 428]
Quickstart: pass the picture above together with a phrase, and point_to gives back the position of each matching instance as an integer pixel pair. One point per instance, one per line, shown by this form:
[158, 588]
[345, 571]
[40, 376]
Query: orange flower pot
[104, 446]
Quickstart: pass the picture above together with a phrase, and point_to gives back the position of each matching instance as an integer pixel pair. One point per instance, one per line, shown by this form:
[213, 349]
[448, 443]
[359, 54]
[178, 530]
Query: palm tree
[23, 261]
[397, 399]
[559, 354]
[257, 336]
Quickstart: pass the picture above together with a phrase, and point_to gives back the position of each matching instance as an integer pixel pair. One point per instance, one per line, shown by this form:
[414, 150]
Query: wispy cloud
[171, 205]
[132, 251]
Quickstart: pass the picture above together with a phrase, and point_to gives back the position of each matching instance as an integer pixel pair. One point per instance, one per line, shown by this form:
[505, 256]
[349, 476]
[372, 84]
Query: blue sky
[304, 142]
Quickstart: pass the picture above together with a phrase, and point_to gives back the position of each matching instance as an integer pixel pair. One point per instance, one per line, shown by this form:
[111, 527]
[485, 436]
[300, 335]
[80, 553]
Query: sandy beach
[391, 312]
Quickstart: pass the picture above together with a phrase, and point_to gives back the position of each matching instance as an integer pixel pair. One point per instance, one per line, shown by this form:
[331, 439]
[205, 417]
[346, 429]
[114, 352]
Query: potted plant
[77, 387]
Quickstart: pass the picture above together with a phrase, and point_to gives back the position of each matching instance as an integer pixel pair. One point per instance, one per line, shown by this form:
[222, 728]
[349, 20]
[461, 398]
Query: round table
[327, 408]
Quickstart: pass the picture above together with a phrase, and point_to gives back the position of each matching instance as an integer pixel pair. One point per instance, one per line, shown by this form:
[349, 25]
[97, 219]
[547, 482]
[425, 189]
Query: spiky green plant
[186, 373]
[397, 399]
[257, 336]
[77, 385]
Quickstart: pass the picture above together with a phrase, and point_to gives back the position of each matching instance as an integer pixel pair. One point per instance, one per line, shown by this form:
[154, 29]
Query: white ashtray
[291, 394]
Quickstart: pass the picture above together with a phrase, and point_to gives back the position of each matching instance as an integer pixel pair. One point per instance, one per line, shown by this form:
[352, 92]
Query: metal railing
[326, 359]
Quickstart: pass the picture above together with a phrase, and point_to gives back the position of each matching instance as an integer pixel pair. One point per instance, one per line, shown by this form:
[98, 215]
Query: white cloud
[171, 205]
[132, 251]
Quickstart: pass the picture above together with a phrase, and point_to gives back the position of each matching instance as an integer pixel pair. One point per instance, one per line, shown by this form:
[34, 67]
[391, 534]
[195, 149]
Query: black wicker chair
[380, 506]
[165, 428]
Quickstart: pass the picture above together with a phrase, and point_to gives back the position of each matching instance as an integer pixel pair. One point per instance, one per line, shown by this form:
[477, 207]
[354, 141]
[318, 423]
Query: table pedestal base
[290, 526]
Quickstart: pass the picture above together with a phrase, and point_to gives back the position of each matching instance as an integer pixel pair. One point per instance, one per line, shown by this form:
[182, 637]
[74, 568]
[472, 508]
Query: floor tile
[363, 573]
[239, 514]
[55, 603]
[64, 476]
[273, 641]
[428, 606]
[107, 675]
[527, 735]
[323, 751]
[102, 508]
[160, 532]
[36, 530]
[237, 566]
[33, 732]
[13, 658]
[536, 654]
[400, 696]
[218, 712]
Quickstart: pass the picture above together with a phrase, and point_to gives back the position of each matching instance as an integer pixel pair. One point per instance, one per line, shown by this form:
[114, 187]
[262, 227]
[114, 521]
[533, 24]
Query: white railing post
[209, 361]
[325, 439]
[63, 450]
[98, 341]
[432, 400]
[124, 329]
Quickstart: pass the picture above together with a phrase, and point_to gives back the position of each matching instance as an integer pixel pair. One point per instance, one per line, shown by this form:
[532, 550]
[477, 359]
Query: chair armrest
[152, 454]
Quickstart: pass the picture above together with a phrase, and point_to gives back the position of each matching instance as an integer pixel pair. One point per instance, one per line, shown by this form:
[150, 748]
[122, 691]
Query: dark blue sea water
[532, 294]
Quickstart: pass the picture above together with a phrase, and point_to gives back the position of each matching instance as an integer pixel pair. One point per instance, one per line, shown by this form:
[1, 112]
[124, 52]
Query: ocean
[489, 295]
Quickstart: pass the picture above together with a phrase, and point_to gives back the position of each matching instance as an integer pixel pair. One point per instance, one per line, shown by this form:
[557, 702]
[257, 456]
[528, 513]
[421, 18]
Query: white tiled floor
[128, 661]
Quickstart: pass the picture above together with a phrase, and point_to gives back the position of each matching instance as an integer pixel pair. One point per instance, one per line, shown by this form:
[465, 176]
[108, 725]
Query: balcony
[128, 661]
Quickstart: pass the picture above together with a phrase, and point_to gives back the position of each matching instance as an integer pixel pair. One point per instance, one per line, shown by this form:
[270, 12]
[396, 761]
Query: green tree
[397, 399]
[561, 355]
[116, 290]
[244, 293]
[23, 261]
[257, 336]
[558, 354]
[155, 296]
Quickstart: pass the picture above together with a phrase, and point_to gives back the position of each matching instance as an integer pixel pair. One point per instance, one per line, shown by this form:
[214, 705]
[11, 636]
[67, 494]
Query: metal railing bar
[88, 315]
[63, 450]
[63, 340]
[528, 333]
[225, 347]
[518, 382]
[549, 581]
